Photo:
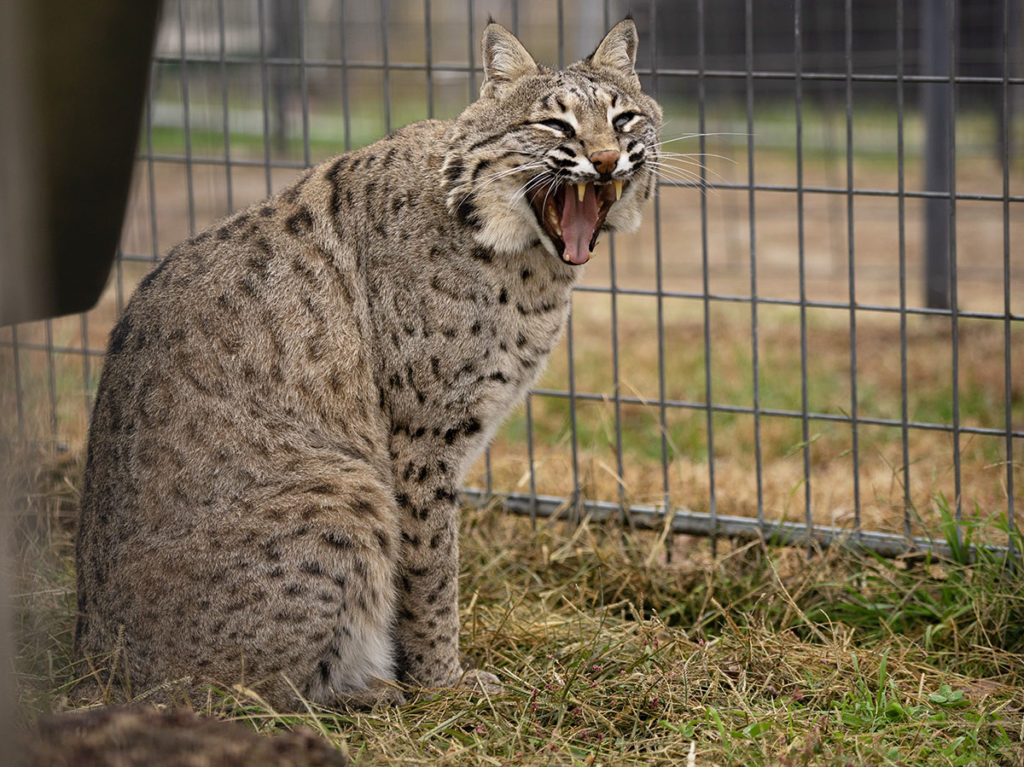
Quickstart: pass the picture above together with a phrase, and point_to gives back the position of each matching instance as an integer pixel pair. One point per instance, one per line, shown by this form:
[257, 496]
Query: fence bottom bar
[688, 522]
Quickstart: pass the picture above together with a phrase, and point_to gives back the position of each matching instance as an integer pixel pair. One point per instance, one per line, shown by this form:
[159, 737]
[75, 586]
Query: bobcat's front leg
[427, 626]
[427, 630]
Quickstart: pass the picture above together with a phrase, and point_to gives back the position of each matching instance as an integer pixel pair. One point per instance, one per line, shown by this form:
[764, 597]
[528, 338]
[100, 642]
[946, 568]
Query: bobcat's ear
[505, 59]
[617, 51]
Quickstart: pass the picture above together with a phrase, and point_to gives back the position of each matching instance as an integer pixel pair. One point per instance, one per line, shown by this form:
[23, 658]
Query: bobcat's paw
[484, 681]
[379, 693]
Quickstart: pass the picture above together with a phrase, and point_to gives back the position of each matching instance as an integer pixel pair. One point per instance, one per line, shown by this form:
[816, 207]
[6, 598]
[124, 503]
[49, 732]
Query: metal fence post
[935, 98]
[284, 34]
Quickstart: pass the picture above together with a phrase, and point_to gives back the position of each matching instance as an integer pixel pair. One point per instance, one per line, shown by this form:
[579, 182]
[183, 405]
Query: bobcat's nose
[604, 161]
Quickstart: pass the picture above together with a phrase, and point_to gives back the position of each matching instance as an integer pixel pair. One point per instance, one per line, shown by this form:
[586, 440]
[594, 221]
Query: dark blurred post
[72, 78]
[284, 44]
[24, 274]
[22, 281]
[81, 71]
[935, 105]
[1008, 68]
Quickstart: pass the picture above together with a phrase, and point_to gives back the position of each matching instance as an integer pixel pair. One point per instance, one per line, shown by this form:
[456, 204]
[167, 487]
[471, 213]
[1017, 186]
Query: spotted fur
[292, 398]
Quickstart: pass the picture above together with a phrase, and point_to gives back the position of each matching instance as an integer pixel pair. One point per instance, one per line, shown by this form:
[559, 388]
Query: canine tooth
[581, 191]
[618, 188]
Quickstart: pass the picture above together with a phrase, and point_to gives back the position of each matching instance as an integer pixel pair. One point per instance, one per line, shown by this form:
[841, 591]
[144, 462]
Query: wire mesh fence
[769, 355]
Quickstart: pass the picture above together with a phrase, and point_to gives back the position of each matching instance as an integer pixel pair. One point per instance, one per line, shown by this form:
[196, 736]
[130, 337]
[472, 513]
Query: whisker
[529, 186]
[690, 180]
[532, 184]
[690, 136]
[680, 175]
[547, 196]
[670, 172]
[698, 154]
[509, 171]
[678, 164]
[496, 175]
[681, 165]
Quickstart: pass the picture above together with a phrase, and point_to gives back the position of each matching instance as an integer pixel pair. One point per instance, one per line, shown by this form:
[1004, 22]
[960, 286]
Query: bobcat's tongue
[579, 220]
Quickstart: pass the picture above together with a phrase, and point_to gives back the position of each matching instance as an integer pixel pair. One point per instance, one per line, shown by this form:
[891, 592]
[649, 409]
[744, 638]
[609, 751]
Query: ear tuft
[505, 59]
[618, 49]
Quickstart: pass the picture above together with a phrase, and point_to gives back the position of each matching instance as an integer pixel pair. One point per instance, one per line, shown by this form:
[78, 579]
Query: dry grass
[612, 655]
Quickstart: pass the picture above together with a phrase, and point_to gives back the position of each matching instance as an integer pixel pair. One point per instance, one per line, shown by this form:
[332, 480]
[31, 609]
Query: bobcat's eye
[623, 121]
[558, 125]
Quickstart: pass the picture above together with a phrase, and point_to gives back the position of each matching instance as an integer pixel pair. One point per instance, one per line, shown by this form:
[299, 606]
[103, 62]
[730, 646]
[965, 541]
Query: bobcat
[291, 398]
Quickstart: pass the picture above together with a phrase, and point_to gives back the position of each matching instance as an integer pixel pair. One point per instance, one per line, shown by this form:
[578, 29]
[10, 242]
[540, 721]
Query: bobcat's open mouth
[572, 215]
